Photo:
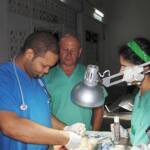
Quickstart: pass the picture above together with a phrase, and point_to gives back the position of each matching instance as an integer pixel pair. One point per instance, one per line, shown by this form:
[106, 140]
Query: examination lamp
[89, 93]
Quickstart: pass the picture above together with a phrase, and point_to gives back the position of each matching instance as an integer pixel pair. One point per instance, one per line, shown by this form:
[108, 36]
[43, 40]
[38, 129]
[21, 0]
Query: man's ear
[29, 54]
[80, 51]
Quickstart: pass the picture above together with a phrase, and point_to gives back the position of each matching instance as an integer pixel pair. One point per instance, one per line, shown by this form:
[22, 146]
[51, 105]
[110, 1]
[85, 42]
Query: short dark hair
[126, 52]
[40, 42]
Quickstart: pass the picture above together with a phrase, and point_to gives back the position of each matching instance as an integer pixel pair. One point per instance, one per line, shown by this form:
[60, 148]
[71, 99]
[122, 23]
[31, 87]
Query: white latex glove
[78, 128]
[74, 140]
[123, 132]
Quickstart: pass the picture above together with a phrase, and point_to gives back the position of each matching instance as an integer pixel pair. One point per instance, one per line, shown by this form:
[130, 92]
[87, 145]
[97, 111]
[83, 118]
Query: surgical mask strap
[138, 51]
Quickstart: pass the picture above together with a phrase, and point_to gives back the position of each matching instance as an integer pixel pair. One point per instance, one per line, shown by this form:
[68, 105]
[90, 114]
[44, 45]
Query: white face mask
[133, 75]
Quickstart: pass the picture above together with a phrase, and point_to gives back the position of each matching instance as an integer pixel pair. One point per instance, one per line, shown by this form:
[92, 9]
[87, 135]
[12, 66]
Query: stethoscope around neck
[23, 105]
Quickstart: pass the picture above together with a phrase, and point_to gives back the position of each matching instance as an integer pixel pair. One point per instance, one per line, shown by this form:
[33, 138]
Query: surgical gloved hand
[74, 140]
[78, 128]
[123, 132]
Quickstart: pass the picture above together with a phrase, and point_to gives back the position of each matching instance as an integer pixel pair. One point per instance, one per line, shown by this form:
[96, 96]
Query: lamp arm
[102, 75]
[107, 80]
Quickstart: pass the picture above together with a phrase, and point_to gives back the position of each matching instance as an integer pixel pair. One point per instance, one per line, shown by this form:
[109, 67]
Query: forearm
[97, 118]
[31, 132]
[57, 124]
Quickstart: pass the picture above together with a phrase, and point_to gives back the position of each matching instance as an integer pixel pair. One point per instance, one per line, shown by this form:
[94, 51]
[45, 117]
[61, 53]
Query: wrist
[66, 138]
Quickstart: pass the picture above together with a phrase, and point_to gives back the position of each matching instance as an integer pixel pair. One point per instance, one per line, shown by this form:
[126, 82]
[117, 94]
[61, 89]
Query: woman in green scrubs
[137, 52]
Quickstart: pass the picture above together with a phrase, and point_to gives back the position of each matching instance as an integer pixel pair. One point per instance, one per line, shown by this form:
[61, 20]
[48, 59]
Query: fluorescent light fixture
[98, 15]
[64, 1]
[99, 18]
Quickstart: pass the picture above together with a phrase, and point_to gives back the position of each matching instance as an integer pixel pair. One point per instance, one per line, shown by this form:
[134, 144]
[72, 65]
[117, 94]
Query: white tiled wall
[19, 18]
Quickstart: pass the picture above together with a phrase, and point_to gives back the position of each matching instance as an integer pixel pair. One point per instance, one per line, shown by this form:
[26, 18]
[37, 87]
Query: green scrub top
[140, 119]
[59, 86]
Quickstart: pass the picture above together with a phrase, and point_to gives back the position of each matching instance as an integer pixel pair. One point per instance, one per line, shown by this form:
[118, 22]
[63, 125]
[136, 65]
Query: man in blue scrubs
[61, 79]
[25, 119]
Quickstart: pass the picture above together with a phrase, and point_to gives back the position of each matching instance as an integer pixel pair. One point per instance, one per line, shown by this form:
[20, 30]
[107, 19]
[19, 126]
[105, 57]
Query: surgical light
[89, 93]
